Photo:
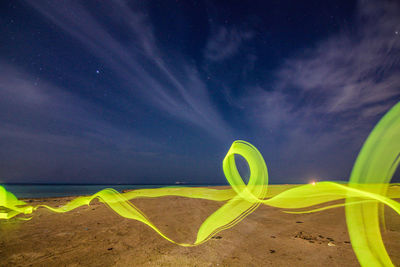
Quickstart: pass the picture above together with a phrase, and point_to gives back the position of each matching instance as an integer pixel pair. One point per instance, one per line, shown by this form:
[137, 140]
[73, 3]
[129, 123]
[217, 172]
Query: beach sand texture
[96, 236]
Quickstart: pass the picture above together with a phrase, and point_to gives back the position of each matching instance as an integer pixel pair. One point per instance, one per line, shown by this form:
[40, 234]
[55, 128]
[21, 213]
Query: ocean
[60, 190]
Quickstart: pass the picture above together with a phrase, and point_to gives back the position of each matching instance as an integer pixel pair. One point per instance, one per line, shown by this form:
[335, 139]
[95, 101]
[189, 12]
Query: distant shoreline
[50, 191]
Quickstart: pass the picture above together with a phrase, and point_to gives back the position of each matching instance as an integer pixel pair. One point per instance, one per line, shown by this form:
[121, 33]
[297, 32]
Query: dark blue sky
[156, 91]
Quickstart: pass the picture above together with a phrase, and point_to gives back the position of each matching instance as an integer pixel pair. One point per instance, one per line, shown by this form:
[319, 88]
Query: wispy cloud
[45, 129]
[334, 92]
[354, 71]
[225, 42]
[171, 87]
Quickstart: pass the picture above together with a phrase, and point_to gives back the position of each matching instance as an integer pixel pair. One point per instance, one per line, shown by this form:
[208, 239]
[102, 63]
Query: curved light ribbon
[367, 191]
[376, 164]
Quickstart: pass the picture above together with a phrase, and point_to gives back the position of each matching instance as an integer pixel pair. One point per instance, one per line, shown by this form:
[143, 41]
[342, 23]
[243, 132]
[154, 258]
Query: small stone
[217, 237]
[330, 239]
[347, 242]
[272, 251]
[272, 236]
[331, 244]
[110, 249]
[299, 222]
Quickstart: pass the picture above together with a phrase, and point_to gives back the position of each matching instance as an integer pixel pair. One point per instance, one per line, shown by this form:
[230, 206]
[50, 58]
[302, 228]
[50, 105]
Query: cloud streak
[352, 71]
[177, 90]
[225, 42]
[334, 92]
[45, 129]
[152, 110]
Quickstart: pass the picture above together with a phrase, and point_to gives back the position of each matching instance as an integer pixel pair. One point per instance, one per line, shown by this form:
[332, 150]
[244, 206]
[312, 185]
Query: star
[97, 71]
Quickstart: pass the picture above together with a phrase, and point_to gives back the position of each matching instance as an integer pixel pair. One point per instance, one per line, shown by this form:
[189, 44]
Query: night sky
[153, 92]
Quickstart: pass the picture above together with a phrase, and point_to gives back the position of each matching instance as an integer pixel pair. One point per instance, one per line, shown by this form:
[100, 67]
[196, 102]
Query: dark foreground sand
[96, 236]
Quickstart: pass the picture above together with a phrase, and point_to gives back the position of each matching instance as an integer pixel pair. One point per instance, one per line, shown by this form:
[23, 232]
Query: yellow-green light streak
[365, 194]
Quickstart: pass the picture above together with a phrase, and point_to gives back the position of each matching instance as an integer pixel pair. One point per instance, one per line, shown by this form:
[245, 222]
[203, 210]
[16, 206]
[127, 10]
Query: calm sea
[45, 190]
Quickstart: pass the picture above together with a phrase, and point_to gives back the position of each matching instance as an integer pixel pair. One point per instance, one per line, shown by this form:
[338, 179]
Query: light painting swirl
[368, 190]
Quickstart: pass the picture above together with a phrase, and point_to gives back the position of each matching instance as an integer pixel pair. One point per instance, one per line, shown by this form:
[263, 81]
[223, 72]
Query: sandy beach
[95, 236]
